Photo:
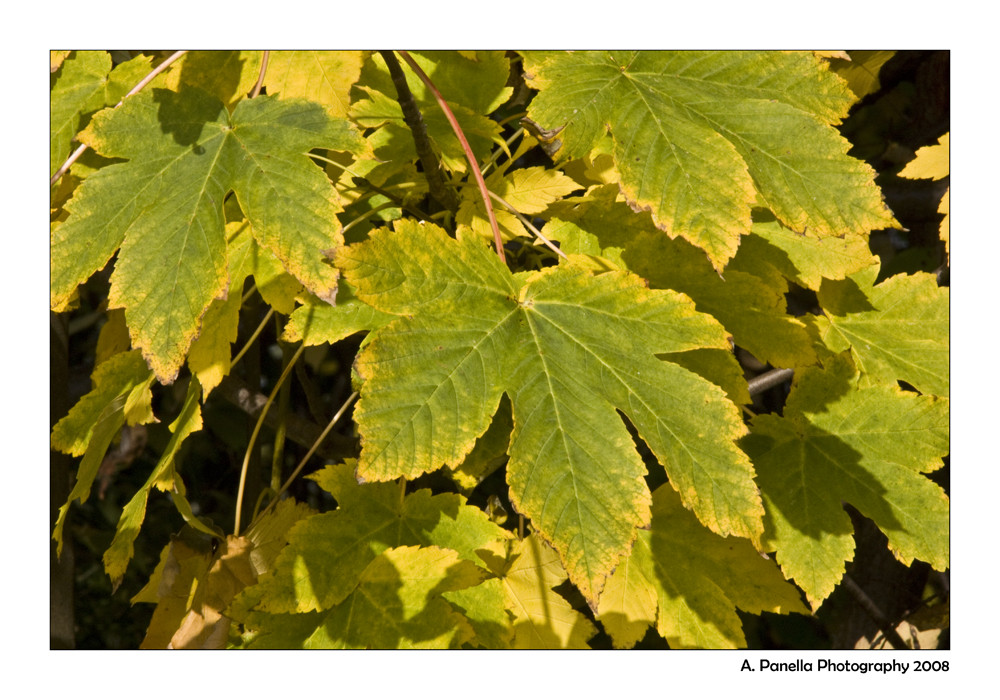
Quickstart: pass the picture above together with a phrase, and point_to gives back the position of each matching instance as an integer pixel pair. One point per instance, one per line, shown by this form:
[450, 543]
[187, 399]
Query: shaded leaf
[869, 447]
[896, 330]
[568, 348]
[689, 582]
[803, 259]
[163, 477]
[528, 572]
[327, 553]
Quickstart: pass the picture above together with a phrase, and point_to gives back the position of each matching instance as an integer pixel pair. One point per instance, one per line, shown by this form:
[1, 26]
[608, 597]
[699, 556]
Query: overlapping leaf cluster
[687, 194]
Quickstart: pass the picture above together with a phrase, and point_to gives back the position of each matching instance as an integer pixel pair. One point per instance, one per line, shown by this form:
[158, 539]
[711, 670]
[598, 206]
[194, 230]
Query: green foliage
[556, 444]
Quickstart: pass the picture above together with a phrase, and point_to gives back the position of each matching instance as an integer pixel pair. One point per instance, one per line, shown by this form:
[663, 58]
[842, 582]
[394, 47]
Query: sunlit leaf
[568, 348]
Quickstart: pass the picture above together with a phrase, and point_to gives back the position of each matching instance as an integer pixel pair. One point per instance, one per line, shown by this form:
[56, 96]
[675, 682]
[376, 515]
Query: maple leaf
[805, 260]
[688, 581]
[165, 478]
[527, 572]
[397, 603]
[570, 349]
[869, 447]
[896, 330]
[934, 162]
[86, 83]
[327, 553]
[120, 395]
[700, 136]
[761, 324]
[321, 76]
[163, 207]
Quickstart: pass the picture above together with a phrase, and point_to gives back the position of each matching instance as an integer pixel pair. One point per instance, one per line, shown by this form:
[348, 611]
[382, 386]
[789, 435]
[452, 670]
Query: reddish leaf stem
[469, 155]
[139, 86]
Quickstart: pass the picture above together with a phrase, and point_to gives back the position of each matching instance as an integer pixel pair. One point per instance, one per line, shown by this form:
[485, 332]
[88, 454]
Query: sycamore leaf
[570, 349]
[869, 447]
[473, 90]
[528, 572]
[164, 207]
[226, 75]
[120, 395]
[689, 581]
[803, 259]
[211, 352]
[933, 162]
[85, 84]
[198, 576]
[761, 324]
[321, 76]
[163, 477]
[327, 553]
[861, 70]
[397, 603]
[700, 136]
[317, 322]
[896, 330]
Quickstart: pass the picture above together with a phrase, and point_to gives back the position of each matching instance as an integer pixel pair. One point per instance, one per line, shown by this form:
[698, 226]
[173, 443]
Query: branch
[768, 379]
[414, 120]
[469, 155]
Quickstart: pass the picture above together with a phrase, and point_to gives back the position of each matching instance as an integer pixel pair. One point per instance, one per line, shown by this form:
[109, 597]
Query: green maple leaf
[84, 84]
[120, 395]
[688, 582]
[327, 553]
[699, 137]
[869, 447]
[164, 207]
[896, 330]
[570, 349]
[397, 603]
[601, 226]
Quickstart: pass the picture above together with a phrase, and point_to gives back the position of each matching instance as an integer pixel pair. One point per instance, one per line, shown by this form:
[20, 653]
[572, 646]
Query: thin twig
[470, 156]
[329, 426]
[869, 606]
[411, 115]
[256, 431]
[531, 227]
[260, 78]
[139, 86]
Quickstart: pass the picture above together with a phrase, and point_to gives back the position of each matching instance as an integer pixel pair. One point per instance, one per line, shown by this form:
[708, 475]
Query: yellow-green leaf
[542, 619]
[163, 477]
[328, 552]
[835, 444]
[321, 76]
[701, 136]
[163, 207]
[568, 348]
[688, 581]
[896, 330]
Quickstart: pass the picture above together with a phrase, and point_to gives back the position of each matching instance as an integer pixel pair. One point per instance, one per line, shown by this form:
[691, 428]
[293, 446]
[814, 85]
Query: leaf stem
[329, 426]
[469, 155]
[256, 431]
[260, 78]
[138, 86]
[246, 346]
[414, 120]
[531, 227]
